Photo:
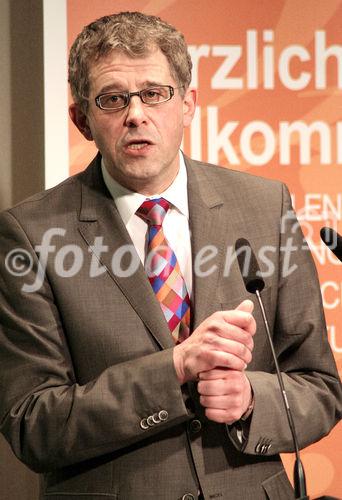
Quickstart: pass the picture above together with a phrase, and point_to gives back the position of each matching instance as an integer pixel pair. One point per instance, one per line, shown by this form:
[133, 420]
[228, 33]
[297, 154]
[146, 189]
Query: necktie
[163, 270]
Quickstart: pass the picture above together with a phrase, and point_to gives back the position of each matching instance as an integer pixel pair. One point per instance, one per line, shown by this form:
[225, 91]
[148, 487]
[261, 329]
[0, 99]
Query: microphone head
[249, 266]
[333, 241]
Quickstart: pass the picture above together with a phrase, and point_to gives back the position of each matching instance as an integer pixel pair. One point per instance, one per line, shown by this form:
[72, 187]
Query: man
[111, 387]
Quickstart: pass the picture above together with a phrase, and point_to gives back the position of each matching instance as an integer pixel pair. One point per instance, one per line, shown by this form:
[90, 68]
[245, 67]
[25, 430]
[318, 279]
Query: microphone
[333, 241]
[254, 283]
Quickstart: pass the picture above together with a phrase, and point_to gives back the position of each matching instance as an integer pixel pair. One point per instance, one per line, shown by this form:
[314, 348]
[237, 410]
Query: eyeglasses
[150, 96]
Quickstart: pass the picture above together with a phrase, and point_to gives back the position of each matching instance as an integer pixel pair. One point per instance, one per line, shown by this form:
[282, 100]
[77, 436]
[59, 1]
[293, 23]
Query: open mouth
[138, 145]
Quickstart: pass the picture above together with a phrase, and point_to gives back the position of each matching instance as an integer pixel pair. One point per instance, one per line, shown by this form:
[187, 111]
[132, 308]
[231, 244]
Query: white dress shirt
[176, 222]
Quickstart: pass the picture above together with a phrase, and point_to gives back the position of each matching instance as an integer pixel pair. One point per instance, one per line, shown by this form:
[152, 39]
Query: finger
[231, 347]
[223, 416]
[217, 329]
[221, 402]
[220, 373]
[215, 373]
[241, 319]
[226, 360]
[222, 386]
[207, 388]
[246, 305]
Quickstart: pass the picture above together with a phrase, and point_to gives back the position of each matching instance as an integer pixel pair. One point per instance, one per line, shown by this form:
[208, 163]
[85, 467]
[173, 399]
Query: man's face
[139, 143]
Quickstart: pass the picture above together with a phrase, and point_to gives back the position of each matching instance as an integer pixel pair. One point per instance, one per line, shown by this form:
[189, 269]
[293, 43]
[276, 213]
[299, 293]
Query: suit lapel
[215, 223]
[99, 218]
[207, 238]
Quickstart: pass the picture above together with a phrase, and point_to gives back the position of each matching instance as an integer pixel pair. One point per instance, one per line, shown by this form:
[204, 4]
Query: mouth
[138, 147]
[138, 144]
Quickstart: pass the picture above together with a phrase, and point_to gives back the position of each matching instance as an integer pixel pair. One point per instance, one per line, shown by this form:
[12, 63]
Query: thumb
[246, 306]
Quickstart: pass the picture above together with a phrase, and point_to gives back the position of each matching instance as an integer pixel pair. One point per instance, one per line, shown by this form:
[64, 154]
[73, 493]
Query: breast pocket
[278, 487]
[88, 480]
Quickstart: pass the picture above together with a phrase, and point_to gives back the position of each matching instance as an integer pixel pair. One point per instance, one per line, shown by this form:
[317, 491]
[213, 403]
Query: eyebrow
[114, 87]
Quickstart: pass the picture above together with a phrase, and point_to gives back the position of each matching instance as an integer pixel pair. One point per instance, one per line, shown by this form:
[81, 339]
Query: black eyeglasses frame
[129, 95]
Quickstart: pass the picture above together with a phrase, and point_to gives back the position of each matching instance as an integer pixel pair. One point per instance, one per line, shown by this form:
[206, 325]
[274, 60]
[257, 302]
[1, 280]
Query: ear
[189, 106]
[80, 120]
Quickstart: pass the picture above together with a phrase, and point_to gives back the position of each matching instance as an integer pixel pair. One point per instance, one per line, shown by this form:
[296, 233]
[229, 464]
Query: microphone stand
[298, 473]
[255, 284]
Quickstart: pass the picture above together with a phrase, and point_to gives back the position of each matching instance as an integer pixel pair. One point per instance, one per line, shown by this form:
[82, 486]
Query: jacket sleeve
[308, 368]
[48, 418]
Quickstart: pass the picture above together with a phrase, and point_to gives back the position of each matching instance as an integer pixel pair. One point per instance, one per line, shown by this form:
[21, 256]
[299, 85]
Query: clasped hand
[217, 354]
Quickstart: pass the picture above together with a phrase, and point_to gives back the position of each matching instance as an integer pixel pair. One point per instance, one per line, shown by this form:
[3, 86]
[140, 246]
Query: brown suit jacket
[85, 360]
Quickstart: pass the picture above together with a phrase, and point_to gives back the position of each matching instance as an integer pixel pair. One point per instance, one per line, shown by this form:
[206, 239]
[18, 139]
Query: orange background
[219, 22]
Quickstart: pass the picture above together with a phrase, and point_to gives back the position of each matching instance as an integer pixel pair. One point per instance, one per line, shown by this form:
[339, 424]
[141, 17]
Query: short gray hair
[133, 33]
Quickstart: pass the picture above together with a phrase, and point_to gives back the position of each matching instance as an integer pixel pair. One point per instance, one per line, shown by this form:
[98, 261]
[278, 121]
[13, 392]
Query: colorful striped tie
[163, 270]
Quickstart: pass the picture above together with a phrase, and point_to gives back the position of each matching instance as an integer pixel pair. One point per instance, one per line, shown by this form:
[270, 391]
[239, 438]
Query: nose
[135, 112]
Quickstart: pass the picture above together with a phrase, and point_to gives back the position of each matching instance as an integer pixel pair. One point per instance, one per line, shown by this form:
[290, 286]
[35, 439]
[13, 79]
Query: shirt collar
[128, 201]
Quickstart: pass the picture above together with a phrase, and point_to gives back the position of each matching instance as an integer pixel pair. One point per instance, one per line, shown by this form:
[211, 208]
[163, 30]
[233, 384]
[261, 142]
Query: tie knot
[153, 211]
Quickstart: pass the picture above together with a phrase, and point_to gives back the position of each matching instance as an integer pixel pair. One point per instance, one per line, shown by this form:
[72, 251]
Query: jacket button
[188, 496]
[163, 415]
[144, 424]
[195, 426]
[156, 418]
[150, 421]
